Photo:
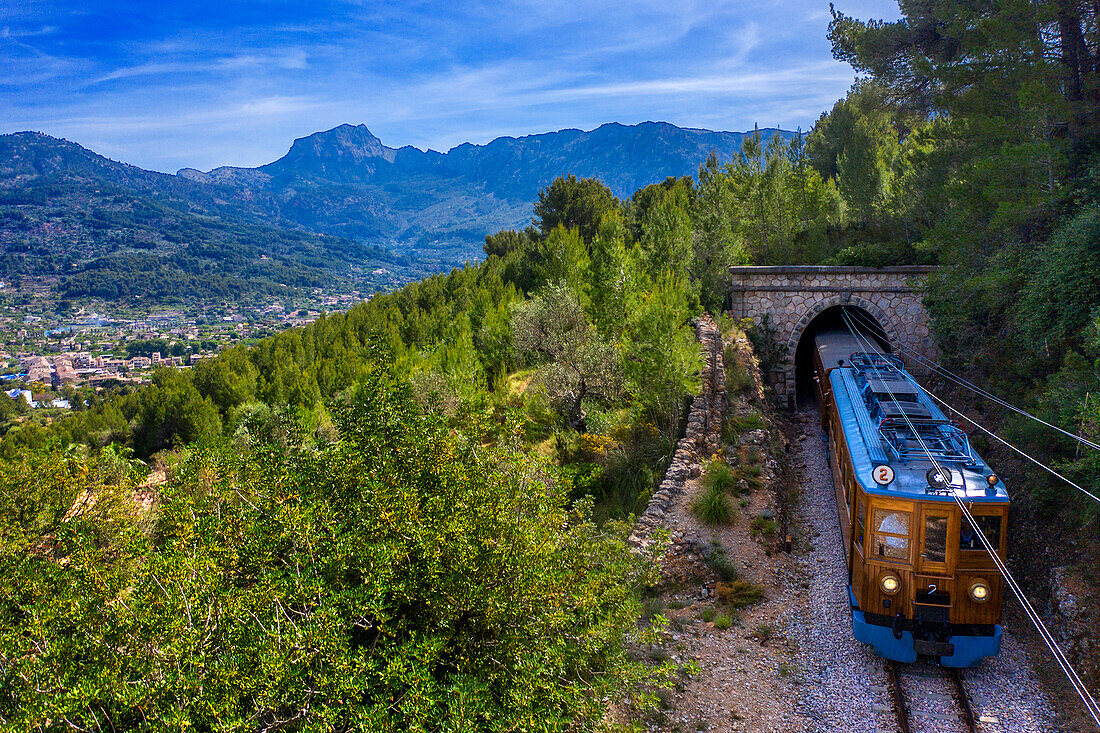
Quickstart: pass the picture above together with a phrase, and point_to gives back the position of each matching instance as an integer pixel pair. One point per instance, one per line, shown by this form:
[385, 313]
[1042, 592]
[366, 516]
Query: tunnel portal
[787, 300]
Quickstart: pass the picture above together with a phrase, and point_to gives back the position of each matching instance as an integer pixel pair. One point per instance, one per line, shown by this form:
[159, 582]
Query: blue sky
[170, 83]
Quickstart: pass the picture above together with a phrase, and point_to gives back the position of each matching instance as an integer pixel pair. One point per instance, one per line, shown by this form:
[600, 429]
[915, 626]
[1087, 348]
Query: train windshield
[891, 534]
[990, 526]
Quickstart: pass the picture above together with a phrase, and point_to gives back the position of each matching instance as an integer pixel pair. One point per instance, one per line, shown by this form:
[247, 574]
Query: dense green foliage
[403, 578]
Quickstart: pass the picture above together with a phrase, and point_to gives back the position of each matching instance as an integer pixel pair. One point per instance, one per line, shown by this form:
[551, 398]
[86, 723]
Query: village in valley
[55, 353]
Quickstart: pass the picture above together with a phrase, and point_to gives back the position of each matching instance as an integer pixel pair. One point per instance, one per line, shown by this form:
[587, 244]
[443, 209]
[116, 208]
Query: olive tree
[577, 364]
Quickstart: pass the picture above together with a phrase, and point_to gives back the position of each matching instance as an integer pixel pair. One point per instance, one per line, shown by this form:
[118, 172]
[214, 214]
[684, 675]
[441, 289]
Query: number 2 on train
[883, 475]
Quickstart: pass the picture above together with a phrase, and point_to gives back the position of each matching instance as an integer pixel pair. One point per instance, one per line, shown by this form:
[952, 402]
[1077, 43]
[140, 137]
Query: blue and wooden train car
[919, 578]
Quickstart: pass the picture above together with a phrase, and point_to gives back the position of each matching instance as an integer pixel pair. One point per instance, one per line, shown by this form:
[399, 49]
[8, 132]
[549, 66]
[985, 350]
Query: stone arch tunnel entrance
[830, 318]
[790, 299]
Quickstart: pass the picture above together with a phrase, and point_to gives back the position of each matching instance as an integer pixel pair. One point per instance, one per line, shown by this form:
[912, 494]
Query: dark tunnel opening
[829, 319]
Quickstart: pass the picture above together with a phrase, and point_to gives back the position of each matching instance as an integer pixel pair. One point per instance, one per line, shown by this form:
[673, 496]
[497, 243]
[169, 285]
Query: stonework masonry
[792, 296]
[701, 436]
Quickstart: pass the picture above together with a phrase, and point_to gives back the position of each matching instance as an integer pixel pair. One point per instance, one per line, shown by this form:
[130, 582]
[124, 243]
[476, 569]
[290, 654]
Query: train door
[935, 527]
[934, 588]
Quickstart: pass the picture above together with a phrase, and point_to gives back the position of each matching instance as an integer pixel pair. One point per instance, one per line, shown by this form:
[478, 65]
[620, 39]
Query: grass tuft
[739, 593]
[738, 379]
[720, 563]
[718, 476]
[713, 507]
[652, 607]
[764, 526]
[763, 633]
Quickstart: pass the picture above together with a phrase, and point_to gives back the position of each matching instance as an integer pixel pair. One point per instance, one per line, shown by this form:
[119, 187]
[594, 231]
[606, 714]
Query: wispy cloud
[9, 32]
[292, 59]
[757, 83]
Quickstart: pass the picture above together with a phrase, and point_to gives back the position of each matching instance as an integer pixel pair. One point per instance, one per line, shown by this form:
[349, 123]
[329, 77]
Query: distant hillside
[337, 206]
[113, 230]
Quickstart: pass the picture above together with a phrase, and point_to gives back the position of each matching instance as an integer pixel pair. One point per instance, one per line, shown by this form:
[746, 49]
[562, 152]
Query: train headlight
[979, 591]
[890, 584]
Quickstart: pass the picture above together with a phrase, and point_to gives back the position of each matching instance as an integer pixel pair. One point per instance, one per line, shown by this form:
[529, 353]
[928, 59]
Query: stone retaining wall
[702, 435]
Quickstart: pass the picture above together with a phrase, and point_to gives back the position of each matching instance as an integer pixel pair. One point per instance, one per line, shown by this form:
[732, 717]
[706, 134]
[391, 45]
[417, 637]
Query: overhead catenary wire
[963, 382]
[1048, 638]
[1004, 442]
[1007, 444]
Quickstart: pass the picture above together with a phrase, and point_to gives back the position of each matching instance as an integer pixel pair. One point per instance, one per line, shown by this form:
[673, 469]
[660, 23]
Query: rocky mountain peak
[346, 144]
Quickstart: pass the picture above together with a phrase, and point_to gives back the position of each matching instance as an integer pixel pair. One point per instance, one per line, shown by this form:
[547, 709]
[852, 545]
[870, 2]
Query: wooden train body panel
[920, 579]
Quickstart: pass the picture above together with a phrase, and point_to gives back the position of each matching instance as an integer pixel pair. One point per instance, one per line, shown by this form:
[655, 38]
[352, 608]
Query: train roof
[873, 443]
[834, 345]
[893, 384]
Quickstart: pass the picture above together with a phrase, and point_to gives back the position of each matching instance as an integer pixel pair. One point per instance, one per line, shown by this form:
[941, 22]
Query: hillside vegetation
[117, 232]
[405, 517]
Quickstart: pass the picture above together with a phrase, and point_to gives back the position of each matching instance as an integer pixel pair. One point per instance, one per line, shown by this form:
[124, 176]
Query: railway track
[930, 699]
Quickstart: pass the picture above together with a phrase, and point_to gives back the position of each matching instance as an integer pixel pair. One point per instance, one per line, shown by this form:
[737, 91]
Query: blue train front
[920, 578]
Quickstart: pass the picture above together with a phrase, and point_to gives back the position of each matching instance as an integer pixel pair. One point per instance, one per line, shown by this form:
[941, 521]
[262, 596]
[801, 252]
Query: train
[920, 579]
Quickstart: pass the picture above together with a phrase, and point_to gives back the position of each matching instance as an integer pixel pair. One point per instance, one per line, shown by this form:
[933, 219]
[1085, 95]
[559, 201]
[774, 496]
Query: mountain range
[339, 209]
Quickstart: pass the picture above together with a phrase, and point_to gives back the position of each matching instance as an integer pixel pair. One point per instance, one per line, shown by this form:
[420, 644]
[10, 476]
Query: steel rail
[964, 701]
[900, 708]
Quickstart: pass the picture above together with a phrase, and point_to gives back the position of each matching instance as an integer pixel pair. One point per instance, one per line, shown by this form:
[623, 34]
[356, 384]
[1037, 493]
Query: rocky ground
[786, 662]
[747, 672]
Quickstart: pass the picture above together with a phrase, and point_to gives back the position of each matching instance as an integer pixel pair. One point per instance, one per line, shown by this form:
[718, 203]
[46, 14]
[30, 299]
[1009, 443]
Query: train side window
[990, 527]
[861, 517]
[935, 539]
[891, 534]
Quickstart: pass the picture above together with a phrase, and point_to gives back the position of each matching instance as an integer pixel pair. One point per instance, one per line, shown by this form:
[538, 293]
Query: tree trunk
[576, 411]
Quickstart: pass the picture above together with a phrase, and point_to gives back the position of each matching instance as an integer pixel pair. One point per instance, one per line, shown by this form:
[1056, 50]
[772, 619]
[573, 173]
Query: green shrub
[652, 607]
[627, 483]
[719, 477]
[708, 614]
[713, 507]
[750, 472]
[763, 633]
[764, 342]
[734, 425]
[751, 420]
[632, 468]
[404, 546]
[738, 379]
[764, 526]
[723, 621]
